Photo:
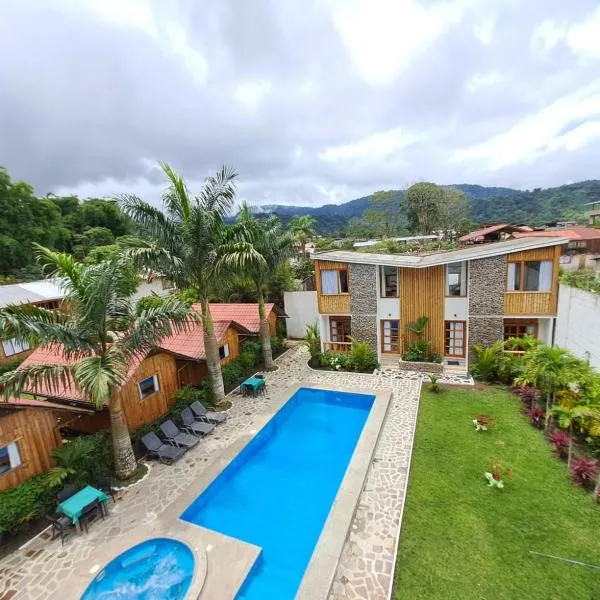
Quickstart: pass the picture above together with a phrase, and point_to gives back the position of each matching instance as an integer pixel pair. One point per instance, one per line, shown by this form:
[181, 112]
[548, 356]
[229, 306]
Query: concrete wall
[148, 288]
[301, 307]
[363, 302]
[578, 323]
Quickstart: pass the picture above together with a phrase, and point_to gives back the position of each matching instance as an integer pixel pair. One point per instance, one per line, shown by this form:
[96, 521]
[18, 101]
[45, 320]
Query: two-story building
[474, 295]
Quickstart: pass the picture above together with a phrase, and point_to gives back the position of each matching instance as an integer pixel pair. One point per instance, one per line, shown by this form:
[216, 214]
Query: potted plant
[484, 422]
[496, 474]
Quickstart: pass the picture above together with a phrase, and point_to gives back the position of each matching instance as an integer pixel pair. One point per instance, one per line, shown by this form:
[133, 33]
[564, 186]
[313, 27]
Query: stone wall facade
[362, 282]
[487, 285]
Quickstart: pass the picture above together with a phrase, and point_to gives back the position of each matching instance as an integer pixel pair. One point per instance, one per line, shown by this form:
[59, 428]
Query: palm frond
[59, 265]
[176, 196]
[29, 378]
[218, 192]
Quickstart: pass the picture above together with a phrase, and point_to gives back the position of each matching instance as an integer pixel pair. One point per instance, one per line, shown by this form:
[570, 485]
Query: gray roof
[34, 291]
[419, 261]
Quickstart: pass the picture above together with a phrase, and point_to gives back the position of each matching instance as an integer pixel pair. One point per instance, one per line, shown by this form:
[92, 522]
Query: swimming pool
[277, 492]
[156, 569]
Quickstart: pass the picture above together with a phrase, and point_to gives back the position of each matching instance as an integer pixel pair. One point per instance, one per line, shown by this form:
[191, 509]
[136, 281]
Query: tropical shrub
[81, 460]
[231, 373]
[537, 416]
[419, 350]
[336, 360]
[247, 360]
[276, 345]
[25, 502]
[584, 471]
[363, 357]
[434, 386]
[313, 340]
[561, 442]
[486, 364]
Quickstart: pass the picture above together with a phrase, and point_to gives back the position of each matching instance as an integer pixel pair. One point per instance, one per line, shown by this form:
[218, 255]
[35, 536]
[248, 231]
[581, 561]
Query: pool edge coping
[320, 572]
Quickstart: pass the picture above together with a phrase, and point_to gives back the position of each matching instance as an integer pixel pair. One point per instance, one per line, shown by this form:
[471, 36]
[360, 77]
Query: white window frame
[156, 387]
[462, 281]
[382, 282]
[226, 351]
[12, 347]
[14, 457]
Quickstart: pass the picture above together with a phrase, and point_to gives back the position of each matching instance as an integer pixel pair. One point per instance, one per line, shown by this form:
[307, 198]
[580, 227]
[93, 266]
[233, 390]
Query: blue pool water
[276, 494]
[157, 569]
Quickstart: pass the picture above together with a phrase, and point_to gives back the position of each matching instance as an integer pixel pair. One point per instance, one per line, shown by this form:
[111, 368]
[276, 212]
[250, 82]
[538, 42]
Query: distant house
[29, 432]
[492, 233]
[582, 249]
[45, 293]
[246, 315]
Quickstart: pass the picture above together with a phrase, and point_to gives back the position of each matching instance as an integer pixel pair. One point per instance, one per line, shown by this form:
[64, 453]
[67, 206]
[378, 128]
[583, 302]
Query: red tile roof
[54, 355]
[481, 233]
[244, 314]
[190, 343]
[574, 233]
[31, 403]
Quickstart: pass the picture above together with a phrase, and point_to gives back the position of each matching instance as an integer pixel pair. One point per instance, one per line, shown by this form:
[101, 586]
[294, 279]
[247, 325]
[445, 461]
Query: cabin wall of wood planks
[34, 431]
[232, 338]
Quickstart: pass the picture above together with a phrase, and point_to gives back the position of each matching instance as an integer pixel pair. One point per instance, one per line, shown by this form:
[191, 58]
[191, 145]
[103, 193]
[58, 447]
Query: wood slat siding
[534, 303]
[34, 430]
[331, 304]
[139, 412]
[422, 293]
[232, 338]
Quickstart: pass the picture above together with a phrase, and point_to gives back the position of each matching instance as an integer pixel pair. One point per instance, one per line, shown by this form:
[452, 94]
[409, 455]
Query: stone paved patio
[367, 563]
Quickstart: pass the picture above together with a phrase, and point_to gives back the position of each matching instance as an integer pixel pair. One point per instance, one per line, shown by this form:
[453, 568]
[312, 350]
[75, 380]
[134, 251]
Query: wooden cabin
[29, 432]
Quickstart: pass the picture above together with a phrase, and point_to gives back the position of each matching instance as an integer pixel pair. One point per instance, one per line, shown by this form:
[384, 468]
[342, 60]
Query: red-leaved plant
[560, 440]
[584, 471]
[536, 416]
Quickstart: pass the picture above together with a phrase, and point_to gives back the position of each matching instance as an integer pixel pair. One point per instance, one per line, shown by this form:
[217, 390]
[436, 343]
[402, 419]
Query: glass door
[390, 337]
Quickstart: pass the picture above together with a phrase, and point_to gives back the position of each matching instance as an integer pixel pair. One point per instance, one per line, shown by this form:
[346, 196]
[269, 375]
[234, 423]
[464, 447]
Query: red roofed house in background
[493, 233]
[583, 249]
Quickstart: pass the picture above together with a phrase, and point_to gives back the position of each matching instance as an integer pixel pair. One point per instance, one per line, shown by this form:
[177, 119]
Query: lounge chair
[202, 414]
[174, 435]
[61, 525]
[166, 453]
[192, 426]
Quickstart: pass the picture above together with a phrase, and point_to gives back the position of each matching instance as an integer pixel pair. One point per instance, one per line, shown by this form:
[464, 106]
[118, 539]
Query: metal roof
[419, 261]
[34, 291]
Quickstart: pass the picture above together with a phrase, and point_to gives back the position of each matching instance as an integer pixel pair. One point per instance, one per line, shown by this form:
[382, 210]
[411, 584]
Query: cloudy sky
[311, 101]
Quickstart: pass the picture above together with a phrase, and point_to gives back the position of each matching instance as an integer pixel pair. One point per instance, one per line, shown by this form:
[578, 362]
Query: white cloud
[252, 93]
[484, 30]
[479, 81]
[371, 148]
[383, 36]
[541, 132]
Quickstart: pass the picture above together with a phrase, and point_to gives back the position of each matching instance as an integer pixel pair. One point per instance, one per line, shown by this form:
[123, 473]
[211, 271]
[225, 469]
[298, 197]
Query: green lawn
[463, 540]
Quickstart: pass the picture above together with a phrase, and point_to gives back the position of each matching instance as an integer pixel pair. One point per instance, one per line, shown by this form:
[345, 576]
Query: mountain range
[488, 204]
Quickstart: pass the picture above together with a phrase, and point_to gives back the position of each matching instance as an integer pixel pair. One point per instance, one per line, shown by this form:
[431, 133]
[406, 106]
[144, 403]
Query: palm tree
[303, 227]
[187, 245]
[550, 369]
[267, 246]
[97, 330]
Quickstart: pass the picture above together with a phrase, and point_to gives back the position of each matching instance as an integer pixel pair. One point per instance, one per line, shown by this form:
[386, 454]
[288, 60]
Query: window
[148, 386]
[579, 245]
[389, 282]
[530, 276]
[390, 336]
[224, 351]
[334, 282]
[11, 347]
[519, 328]
[456, 279]
[339, 329]
[454, 338]
[10, 458]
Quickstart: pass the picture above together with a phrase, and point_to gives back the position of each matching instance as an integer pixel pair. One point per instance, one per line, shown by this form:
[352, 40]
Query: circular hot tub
[156, 569]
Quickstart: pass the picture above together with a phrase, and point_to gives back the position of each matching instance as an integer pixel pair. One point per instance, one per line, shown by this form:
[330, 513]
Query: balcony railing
[337, 346]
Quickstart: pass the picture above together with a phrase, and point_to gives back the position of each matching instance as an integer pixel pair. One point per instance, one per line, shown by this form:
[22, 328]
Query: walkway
[367, 563]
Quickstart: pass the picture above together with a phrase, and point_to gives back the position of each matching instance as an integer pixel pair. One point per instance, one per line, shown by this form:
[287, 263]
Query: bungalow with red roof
[493, 233]
[153, 380]
[582, 250]
[29, 432]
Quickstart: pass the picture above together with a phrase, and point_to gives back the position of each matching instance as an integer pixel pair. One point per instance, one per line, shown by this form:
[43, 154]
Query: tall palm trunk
[213, 360]
[122, 449]
[265, 332]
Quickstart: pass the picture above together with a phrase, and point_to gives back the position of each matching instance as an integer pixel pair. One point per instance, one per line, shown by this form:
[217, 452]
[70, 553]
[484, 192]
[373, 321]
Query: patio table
[73, 507]
[253, 384]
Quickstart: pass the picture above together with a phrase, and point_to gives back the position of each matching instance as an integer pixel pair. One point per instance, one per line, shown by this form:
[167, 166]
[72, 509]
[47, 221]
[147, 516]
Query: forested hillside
[67, 223]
